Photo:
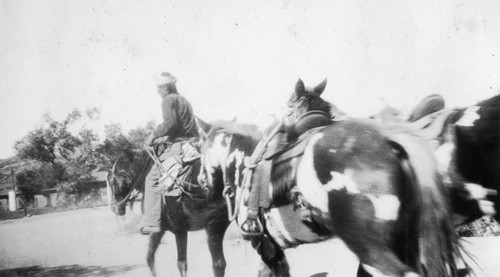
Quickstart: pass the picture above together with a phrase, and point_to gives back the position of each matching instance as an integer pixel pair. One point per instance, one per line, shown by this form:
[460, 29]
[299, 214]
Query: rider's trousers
[153, 190]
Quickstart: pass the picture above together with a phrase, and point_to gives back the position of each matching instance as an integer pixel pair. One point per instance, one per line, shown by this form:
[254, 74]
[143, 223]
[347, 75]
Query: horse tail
[428, 209]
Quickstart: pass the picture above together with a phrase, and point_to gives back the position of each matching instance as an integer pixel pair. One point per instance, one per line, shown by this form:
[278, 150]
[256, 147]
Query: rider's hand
[149, 140]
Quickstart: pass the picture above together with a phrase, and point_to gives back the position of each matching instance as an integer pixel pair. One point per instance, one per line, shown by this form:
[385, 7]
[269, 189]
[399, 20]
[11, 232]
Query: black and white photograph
[268, 138]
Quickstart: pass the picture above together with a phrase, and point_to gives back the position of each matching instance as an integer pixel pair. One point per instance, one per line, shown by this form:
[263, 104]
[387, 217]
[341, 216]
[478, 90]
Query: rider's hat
[166, 79]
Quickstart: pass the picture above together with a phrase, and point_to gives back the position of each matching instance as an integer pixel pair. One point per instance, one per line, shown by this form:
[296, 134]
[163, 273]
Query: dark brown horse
[375, 189]
[199, 207]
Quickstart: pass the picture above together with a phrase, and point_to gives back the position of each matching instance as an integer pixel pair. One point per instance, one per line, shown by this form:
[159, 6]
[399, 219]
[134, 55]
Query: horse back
[477, 140]
[356, 145]
[480, 123]
[350, 162]
[347, 177]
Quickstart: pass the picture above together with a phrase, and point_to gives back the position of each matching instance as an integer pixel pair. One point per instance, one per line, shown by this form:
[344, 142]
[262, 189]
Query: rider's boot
[147, 230]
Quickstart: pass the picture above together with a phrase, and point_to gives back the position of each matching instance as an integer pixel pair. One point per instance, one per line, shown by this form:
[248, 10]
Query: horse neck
[313, 105]
[203, 127]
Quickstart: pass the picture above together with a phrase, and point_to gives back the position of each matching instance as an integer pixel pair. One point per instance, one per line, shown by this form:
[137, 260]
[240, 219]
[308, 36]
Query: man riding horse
[168, 138]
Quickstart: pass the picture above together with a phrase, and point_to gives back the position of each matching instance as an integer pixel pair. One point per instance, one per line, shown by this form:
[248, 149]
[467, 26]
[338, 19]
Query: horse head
[305, 99]
[120, 184]
[224, 150]
[214, 153]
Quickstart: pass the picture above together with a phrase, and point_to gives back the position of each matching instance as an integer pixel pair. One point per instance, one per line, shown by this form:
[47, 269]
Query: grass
[483, 227]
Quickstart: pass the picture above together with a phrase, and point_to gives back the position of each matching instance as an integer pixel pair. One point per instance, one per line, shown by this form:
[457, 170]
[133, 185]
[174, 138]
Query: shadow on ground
[68, 270]
[322, 274]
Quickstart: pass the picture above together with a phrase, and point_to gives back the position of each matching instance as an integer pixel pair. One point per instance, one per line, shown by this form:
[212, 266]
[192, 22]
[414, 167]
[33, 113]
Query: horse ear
[300, 88]
[318, 90]
[234, 119]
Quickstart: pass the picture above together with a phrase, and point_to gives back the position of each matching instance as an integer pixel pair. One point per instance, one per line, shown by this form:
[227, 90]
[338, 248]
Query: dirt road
[93, 242]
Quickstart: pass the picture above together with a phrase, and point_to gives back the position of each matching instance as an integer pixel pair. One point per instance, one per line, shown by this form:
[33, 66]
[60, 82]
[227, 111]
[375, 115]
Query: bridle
[133, 192]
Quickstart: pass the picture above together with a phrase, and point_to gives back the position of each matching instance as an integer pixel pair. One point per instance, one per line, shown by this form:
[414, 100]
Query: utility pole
[12, 194]
[13, 179]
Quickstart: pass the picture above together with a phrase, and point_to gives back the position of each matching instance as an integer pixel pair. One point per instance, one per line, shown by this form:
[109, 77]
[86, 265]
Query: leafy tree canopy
[67, 151]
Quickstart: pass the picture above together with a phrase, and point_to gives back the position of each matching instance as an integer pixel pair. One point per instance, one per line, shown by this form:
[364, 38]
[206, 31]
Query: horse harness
[283, 149]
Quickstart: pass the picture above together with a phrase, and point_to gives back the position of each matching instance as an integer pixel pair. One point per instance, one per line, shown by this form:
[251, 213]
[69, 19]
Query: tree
[48, 142]
[38, 180]
[116, 145]
[27, 183]
[68, 151]
[129, 149]
[138, 135]
[65, 157]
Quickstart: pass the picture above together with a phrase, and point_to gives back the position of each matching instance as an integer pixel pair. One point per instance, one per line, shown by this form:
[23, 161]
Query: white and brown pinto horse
[466, 144]
[375, 189]
[468, 154]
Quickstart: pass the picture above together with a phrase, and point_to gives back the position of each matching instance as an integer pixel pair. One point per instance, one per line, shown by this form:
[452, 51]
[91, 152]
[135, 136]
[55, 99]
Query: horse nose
[120, 210]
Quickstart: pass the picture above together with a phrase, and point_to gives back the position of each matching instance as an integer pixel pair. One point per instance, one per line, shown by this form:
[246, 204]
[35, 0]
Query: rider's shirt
[178, 118]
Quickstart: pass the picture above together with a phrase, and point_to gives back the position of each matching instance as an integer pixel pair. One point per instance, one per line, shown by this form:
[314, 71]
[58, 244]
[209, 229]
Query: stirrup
[251, 228]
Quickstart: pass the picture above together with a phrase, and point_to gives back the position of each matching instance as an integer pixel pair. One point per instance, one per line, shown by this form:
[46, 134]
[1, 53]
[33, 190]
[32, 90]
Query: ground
[93, 242]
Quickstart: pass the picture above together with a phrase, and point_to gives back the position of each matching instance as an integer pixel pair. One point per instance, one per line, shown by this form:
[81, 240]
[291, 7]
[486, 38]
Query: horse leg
[215, 236]
[181, 242]
[273, 257]
[264, 270]
[154, 242]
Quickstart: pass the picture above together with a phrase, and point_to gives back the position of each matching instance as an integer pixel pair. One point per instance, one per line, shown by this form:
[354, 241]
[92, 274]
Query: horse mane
[203, 125]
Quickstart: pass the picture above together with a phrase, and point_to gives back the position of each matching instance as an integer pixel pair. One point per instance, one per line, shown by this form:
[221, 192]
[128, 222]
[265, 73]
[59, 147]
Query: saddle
[433, 126]
[427, 106]
[179, 181]
[273, 166]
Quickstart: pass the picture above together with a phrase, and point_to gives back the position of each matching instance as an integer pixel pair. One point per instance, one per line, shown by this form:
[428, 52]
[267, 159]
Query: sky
[238, 58]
